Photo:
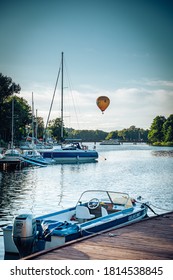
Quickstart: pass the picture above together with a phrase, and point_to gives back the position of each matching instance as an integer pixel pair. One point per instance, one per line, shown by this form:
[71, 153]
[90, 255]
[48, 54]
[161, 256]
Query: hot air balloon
[102, 102]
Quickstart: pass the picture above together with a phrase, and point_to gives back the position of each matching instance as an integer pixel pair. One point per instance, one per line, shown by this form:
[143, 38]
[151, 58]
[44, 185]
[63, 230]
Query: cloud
[158, 83]
[128, 106]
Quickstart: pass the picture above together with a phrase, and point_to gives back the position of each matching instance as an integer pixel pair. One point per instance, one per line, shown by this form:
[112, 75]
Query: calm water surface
[136, 169]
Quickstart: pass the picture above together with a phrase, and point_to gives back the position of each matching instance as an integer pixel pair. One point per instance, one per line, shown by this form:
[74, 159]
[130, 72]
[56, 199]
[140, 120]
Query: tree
[7, 88]
[143, 135]
[22, 117]
[87, 135]
[55, 127]
[168, 129]
[156, 131]
[112, 135]
[40, 127]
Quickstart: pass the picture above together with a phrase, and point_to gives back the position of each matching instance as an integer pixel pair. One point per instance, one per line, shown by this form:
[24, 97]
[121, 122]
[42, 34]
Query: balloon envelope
[102, 102]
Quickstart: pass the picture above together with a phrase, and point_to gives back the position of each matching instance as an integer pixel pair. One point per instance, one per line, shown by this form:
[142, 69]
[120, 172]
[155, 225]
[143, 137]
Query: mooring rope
[168, 210]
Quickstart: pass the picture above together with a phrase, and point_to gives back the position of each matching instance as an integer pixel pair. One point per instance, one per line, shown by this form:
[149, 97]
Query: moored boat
[34, 157]
[95, 211]
[110, 142]
[73, 152]
[11, 159]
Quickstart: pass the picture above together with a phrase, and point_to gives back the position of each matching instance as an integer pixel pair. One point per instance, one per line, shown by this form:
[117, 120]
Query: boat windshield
[106, 197]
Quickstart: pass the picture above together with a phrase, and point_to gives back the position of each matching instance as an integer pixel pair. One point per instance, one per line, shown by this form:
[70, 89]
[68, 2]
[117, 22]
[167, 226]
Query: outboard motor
[24, 234]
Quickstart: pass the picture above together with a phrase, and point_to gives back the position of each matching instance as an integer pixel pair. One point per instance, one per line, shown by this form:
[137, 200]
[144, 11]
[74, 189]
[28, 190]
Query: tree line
[160, 132]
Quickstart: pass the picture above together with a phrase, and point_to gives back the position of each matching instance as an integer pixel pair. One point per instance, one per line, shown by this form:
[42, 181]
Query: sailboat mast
[12, 124]
[32, 120]
[62, 134]
[36, 126]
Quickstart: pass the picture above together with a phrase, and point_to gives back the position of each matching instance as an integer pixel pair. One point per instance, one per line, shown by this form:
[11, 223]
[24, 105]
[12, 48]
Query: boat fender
[133, 200]
[73, 218]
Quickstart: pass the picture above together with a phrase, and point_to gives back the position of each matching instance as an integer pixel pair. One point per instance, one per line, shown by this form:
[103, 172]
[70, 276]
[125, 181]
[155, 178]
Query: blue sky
[119, 48]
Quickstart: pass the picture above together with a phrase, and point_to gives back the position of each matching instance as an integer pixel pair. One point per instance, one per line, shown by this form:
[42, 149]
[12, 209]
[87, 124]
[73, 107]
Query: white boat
[12, 153]
[73, 153]
[94, 212]
[110, 142]
[34, 157]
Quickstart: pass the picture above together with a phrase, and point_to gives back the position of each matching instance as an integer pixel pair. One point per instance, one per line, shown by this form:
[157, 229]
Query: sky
[122, 49]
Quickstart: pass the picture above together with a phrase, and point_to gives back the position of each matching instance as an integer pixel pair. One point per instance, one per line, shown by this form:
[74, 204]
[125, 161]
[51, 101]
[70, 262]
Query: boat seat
[104, 212]
[82, 212]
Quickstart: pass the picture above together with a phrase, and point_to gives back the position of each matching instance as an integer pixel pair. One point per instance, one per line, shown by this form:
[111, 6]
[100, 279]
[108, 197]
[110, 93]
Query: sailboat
[73, 152]
[11, 158]
[32, 156]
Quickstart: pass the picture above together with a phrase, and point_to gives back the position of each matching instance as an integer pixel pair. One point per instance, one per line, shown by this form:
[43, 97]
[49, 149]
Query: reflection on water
[135, 169]
[163, 153]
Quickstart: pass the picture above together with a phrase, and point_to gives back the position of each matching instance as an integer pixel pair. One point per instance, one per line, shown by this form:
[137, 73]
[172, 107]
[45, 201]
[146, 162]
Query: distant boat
[110, 142]
[73, 152]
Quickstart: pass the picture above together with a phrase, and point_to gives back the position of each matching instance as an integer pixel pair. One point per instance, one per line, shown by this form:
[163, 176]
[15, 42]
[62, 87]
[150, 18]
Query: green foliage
[112, 135]
[168, 129]
[22, 116]
[156, 131]
[130, 134]
[87, 135]
[133, 134]
[7, 88]
[54, 128]
[40, 127]
[22, 112]
[161, 131]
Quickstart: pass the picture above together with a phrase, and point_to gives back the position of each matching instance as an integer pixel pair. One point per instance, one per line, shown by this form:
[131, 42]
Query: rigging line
[71, 92]
[146, 204]
[161, 208]
[151, 209]
[53, 97]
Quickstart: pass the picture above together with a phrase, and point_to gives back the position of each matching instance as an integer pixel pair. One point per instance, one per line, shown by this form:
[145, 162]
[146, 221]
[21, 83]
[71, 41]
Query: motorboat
[70, 153]
[34, 157]
[110, 142]
[94, 212]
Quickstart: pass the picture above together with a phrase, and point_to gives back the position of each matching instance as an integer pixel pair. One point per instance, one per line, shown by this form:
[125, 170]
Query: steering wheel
[93, 203]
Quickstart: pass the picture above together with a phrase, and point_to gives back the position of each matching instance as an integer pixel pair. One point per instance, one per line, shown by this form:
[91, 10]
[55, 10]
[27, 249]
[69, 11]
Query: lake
[139, 170]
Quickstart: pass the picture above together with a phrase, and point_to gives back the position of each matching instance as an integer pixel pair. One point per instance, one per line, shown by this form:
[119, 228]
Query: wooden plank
[146, 240]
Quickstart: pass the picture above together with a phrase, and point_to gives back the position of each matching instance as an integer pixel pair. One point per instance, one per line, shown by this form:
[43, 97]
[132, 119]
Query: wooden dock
[149, 239]
[9, 163]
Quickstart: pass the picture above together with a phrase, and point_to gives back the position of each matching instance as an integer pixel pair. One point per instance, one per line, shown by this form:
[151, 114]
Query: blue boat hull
[67, 156]
[73, 232]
